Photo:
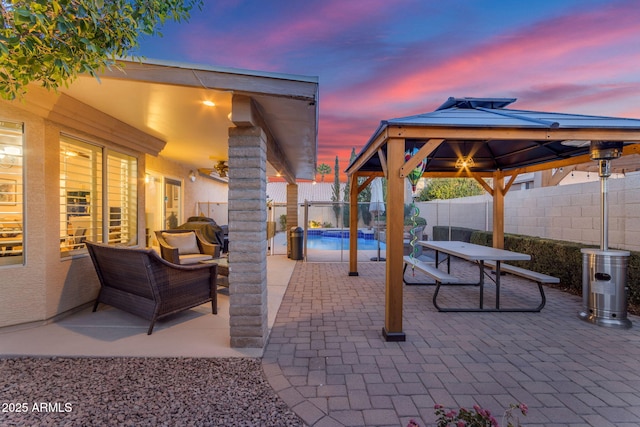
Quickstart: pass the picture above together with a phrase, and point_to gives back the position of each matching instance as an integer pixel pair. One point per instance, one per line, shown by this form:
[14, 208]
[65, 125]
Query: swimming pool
[336, 243]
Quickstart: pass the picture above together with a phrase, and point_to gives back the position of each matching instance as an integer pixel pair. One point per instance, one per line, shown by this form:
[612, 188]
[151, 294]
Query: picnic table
[485, 257]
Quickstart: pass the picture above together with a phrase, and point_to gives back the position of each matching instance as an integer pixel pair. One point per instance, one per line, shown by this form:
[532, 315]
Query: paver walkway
[326, 357]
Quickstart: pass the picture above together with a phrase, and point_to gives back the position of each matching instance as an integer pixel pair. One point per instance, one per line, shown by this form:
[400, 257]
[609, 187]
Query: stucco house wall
[46, 285]
[202, 190]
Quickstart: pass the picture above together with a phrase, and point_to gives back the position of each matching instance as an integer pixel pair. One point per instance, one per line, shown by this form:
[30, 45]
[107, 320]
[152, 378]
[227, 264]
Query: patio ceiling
[165, 100]
[496, 138]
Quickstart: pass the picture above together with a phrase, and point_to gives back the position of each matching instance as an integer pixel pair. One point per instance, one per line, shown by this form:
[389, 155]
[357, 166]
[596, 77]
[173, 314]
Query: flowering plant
[479, 417]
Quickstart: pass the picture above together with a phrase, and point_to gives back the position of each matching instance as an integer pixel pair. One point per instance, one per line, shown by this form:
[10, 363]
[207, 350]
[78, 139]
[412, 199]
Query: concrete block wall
[564, 212]
[247, 237]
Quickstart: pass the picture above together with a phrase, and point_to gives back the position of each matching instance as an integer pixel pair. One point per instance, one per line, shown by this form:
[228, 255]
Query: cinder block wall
[565, 212]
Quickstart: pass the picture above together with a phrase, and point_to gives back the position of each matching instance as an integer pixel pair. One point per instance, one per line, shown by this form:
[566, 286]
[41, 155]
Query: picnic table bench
[484, 257]
[428, 268]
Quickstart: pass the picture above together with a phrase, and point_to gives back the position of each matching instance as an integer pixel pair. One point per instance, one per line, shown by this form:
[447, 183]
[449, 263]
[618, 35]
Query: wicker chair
[185, 251]
[139, 282]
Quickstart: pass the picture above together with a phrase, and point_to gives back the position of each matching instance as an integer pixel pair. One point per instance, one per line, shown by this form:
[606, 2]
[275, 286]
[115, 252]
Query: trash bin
[296, 243]
[604, 287]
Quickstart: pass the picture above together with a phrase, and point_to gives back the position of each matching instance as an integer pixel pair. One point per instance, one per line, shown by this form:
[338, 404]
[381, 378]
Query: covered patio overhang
[476, 138]
[257, 124]
[186, 111]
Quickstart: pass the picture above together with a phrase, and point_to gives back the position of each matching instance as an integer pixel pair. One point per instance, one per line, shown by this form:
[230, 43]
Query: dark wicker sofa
[140, 282]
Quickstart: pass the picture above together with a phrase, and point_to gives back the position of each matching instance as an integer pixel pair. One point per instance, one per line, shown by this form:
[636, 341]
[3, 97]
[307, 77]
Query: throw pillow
[185, 242]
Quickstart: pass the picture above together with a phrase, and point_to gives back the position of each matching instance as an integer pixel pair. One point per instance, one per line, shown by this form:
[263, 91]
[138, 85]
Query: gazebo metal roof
[495, 152]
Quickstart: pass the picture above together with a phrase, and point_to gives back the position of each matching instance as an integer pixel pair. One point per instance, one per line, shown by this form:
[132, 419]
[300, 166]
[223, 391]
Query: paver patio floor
[326, 357]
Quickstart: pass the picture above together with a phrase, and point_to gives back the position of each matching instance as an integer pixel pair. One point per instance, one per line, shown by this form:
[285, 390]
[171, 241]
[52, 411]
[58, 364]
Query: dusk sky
[382, 59]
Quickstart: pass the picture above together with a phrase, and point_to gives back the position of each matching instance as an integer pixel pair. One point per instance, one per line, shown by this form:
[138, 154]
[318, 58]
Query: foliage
[283, 222]
[545, 254]
[323, 169]
[318, 224]
[449, 188]
[347, 195]
[52, 41]
[479, 417]
[335, 195]
[347, 188]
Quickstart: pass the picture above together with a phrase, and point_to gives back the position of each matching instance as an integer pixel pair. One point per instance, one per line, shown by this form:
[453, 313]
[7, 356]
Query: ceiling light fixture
[209, 103]
[222, 168]
[465, 162]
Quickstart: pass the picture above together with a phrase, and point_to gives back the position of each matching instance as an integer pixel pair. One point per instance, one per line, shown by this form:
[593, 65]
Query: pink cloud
[586, 61]
[578, 48]
[339, 135]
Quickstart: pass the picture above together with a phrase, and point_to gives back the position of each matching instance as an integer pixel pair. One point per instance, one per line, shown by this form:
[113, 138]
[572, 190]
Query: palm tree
[323, 169]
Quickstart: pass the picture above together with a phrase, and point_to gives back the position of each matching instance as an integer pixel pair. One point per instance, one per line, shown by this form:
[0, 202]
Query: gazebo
[477, 138]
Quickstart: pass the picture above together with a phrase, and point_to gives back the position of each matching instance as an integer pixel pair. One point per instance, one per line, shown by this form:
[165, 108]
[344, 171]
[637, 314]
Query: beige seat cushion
[193, 258]
[185, 242]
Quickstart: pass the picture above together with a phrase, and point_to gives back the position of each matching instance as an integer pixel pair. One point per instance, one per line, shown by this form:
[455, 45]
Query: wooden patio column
[392, 330]
[498, 209]
[353, 225]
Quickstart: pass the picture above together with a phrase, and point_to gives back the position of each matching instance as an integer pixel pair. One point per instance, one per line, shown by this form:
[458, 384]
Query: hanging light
[465, 162]
[415, 175]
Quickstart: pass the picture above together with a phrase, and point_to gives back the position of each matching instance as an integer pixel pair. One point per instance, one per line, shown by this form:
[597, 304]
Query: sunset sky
[381, 59]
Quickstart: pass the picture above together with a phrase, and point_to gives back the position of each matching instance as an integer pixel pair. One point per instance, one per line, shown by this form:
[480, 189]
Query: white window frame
[108, 220]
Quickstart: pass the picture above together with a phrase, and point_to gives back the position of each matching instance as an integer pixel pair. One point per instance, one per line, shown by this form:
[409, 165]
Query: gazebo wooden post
[498, 209]
[392, 330]
[353, 225]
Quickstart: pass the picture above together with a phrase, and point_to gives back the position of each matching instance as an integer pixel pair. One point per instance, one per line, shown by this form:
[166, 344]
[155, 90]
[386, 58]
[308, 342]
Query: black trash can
[296, 243]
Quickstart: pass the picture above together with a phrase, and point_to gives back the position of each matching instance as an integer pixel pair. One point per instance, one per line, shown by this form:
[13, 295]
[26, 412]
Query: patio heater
[604, 271]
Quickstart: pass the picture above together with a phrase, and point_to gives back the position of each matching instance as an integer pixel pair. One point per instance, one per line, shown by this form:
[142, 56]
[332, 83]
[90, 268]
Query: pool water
[336, 243]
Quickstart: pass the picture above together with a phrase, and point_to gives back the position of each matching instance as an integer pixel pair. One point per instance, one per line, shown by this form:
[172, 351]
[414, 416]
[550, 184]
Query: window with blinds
[98, 196]
[122, 200]
[11, 194]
